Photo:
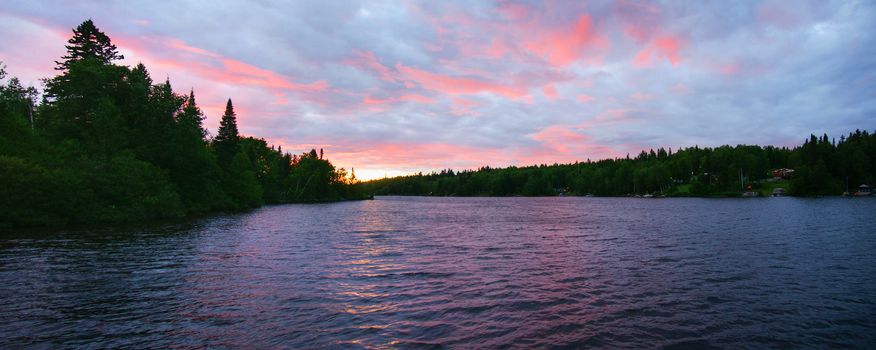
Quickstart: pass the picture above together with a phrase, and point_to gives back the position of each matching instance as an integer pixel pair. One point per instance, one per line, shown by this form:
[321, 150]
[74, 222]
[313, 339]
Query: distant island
[821, 166]
[106, 144]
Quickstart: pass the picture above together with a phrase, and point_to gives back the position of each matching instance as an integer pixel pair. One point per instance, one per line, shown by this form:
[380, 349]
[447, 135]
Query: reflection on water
[457, 272]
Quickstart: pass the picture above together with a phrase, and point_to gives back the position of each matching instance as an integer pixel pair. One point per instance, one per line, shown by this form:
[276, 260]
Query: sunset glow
[392, 88]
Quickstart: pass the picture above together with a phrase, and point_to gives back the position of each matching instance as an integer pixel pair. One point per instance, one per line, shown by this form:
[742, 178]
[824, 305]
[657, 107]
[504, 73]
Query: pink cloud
[463, 68]
[637, 33]
[416, 98]
[368, 100]
[457, 85]
[281, 99]
[665, 47]
[459, 101]
[558, 137]
[209, 65]
[182, 46]
[497, 48]
[779, 14]
[565, 45]
[612, 116]
[641, 96]
[565, 143]
[462, 106]
[668, 47]
[551, 92]
[514, 11]
[368, 60]
[585, 98]
[35, 48]
[640, 18]
[260, 95]
[241, 72]
[731, 68]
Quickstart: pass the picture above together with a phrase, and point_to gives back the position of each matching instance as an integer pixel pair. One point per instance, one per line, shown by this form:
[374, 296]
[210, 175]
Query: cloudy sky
[405, 86]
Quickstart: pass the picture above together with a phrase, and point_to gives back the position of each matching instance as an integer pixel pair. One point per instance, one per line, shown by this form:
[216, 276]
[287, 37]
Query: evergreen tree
[191, 117]
[136, 106]
[193, 168]
[227, 139]
[89, 42]
[158, 125]
[88, 80]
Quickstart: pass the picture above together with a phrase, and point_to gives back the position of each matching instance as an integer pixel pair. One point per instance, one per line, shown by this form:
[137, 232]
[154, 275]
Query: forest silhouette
[821, 166]
[107, 144]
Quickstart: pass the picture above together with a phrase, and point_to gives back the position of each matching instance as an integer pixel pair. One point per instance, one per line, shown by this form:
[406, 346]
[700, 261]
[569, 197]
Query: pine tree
[89, 42]
[227, 139]
[193, 168]
[88, 79]
[191, 117]
[165, 104]
[137, 102]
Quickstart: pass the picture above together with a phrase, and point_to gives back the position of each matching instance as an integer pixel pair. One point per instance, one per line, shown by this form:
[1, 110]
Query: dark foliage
[108, 145]
[822, 167]
[227, 140]
[88, 42]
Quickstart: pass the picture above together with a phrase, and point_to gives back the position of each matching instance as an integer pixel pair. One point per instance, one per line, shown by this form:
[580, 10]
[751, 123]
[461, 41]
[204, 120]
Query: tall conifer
[191, 117]
[227, 139]
[89, 42]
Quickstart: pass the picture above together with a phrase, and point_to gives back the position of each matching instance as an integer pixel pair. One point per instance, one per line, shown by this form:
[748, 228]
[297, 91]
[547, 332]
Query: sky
[397, 87]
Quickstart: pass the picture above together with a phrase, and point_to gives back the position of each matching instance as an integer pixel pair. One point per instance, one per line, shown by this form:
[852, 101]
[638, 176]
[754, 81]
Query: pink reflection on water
[370, 257]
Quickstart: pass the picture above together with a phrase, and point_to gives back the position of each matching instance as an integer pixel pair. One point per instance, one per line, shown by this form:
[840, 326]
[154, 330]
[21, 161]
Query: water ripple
[456, 272]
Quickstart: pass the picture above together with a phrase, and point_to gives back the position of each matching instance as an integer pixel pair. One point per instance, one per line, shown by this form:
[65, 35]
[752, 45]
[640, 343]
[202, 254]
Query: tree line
[105, 143]
[821, 166]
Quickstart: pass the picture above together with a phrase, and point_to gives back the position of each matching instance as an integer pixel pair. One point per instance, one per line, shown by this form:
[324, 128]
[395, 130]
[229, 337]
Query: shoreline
[626, 196]
[50, 229]
[54, 229]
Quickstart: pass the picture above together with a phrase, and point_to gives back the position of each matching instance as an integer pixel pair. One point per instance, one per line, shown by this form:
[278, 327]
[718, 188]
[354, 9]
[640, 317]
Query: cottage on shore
[783, 173]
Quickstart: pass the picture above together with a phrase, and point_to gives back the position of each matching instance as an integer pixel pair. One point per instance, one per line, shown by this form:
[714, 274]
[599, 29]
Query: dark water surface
[459, 273]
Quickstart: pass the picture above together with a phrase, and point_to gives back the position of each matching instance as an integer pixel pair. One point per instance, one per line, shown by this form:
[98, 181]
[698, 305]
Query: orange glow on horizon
[367, 174]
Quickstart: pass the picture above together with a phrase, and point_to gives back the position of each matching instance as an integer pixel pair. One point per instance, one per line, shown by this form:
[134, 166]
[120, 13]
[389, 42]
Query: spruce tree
[227, 139]
[89, 42]
[191, 117]
[88, 79]
[193, 168]
[137, 104]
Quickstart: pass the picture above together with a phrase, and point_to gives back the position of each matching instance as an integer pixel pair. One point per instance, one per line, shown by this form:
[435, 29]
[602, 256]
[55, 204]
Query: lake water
[418, 272]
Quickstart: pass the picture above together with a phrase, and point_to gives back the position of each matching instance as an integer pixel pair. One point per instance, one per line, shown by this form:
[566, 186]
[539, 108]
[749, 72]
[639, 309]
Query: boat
[864, 191]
